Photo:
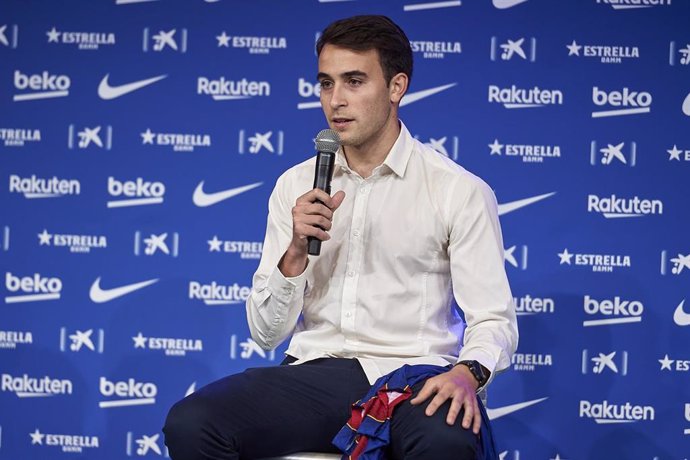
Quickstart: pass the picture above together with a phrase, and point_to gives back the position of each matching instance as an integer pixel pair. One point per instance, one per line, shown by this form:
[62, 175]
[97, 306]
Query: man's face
[355, 96]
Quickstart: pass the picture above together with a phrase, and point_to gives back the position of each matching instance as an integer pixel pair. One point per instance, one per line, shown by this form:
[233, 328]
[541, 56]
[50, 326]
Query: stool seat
[307, 456]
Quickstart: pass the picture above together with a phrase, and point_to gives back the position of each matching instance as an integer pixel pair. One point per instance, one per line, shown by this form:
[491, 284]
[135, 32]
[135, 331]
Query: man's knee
[183, 420]
[188, 429]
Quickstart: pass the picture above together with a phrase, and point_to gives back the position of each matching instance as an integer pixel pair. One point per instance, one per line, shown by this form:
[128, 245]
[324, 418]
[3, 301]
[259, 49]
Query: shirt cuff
[283, 288]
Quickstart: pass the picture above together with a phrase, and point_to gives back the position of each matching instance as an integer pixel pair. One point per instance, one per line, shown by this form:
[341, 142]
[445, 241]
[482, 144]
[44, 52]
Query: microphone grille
[327, 141]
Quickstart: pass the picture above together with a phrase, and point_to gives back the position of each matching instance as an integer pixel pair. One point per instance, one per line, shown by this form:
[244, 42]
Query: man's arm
[276, 299]
[481, 289]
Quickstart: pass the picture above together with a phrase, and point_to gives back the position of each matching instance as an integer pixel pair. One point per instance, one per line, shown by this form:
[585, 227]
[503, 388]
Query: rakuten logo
[614, 311]
[40, 86]
[129, 393]
[634, 4]
[606, 412]
[307, 89]
[520, 98]
[630, 102]
[612, 207]
[218, 294]
[225, 90]
[134, 193]
[33, 387]
[32, 288]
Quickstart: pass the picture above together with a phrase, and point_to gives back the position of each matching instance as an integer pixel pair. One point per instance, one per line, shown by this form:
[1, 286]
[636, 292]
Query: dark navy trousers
[272, 411]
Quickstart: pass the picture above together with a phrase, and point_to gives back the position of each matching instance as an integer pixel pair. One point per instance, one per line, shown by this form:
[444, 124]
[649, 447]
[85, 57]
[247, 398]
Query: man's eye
[355, 82]
[326, 84]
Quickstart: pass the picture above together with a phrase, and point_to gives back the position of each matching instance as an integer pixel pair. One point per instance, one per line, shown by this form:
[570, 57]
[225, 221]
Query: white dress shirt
[405, 240]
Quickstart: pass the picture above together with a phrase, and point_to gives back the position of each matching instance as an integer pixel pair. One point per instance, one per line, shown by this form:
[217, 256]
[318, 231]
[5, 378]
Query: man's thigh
[414, 435]
[275, 410]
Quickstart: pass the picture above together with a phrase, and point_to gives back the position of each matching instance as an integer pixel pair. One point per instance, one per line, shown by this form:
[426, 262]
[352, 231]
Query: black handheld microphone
[327, 144]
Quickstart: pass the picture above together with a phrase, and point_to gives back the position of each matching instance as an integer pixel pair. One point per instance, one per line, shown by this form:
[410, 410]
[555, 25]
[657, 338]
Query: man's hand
[458, 385]
[309, 218]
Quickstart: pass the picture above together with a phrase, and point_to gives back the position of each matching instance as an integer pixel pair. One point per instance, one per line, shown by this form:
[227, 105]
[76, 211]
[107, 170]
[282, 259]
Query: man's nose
[338, 96]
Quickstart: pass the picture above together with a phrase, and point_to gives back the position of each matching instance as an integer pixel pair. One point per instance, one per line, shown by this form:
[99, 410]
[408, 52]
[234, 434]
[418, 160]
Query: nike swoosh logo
[107, 92]
[501, 411]
[203, 199]
[100, 295]
[686, 105]
[414, 97]
[680, 317]
[504, 4]
[505, 208]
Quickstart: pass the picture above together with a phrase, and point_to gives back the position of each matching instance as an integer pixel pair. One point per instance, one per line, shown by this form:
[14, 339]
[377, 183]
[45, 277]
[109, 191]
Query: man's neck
[364, 159]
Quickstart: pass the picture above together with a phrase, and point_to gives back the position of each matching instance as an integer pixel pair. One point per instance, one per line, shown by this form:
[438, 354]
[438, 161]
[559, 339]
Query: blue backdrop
[140, 139]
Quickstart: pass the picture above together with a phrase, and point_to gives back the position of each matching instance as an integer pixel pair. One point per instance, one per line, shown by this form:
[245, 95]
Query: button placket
[354, 259]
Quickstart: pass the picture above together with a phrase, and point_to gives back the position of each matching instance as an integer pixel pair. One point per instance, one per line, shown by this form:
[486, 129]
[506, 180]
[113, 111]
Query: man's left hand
[458, 385]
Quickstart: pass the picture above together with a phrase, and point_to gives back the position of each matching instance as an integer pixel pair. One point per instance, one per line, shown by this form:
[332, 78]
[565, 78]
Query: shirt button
[348, 314]
[356, 233]
[350, 274]
[362, 189]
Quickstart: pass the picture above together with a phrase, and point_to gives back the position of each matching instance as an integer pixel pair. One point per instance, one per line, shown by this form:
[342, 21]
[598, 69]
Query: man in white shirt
[407, 231]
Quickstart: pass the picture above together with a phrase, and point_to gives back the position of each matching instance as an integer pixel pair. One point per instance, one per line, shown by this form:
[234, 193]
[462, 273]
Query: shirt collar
[399, 156]
[396, 160]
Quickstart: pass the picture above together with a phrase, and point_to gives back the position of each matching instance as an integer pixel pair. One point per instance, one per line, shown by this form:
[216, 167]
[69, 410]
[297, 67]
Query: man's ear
[398, 87]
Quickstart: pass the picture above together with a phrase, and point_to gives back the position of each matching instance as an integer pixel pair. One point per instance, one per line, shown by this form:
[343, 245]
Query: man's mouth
[341, 122]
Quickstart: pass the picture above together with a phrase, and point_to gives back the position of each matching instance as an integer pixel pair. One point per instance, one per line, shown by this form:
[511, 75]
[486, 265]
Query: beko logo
[619, 103]
[32, 288]
[127, 393]
[616, 311]
[134, 193]
[40, 86]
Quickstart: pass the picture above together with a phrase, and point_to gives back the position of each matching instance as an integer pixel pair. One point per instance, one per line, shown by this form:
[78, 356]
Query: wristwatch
[477, 371]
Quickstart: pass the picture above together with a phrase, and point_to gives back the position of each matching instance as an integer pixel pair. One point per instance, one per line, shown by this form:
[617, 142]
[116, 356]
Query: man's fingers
[455, 406]
[312, 208]
[435, 403]
[469, 414]
[427, 390]
[314, 220]
[337, 200]
[477, 425]
[319, 195]
[306, 230]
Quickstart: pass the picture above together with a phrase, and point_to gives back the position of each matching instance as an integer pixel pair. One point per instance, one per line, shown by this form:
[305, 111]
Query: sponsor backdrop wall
[139, 142]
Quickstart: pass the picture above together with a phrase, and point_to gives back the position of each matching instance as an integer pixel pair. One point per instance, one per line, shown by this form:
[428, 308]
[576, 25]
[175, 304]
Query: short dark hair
[363, 33]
